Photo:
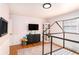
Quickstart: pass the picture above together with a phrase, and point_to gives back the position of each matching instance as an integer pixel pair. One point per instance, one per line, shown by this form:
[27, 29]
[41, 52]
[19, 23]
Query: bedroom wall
[4, 40]
[20, 27]
[70, 45]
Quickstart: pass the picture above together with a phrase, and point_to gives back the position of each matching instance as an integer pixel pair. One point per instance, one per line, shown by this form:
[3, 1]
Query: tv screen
[33, 26]
[3, 26]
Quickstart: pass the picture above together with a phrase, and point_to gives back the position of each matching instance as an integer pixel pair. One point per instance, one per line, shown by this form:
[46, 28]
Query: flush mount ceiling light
[46, 5]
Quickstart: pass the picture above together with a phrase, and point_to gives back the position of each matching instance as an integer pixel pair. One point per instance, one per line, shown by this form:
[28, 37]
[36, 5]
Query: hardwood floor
[15, 48]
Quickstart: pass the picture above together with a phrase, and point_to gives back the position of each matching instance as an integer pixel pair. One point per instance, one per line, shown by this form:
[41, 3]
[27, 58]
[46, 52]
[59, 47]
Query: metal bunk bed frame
[51, 37]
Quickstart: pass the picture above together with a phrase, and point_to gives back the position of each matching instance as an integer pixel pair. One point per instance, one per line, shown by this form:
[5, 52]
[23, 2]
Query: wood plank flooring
[36, 49]
[14, 48]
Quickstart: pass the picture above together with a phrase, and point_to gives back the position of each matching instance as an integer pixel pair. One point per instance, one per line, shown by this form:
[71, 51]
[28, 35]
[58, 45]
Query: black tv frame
[3, 30]
[30, 28]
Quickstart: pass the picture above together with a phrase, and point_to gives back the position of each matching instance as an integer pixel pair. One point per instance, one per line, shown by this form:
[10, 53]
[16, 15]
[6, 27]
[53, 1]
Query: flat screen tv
[3, 26]
[33, 26]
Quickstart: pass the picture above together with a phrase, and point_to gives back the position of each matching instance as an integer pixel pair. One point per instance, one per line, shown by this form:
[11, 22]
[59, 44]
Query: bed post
[63, 34]
[43, 41]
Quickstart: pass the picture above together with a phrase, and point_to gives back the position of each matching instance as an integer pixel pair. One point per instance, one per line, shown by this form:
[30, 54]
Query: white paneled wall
[20, 27]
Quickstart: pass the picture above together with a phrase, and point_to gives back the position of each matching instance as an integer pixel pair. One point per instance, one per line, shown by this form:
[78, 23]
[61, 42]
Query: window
[71, 26]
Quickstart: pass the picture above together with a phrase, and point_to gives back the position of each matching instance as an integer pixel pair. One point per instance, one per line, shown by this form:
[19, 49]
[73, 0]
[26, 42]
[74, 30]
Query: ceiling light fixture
[46, 5]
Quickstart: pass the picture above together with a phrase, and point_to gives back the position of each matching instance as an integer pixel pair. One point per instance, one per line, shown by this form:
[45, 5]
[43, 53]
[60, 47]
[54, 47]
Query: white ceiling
[36, 9]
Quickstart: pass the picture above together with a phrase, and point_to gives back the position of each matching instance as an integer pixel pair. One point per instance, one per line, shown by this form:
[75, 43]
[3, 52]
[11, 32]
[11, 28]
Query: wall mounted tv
[33, 26]
[3, 26]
